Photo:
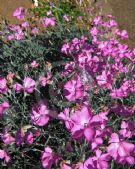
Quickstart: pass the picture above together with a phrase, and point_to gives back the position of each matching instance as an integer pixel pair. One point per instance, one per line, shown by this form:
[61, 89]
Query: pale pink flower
[43, 80]
[49, 13]
[124, 34]
[119, 93]
[10, 76]
[25, 24]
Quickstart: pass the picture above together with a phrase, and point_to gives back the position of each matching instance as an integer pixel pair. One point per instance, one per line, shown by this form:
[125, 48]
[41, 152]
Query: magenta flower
[100, 161]
[94, 31]
[65, 116]
[11, 37]
[19, 35]
[25, 24]
[28, 84]
[34, 64]
[49, 22]
[119, 93]
[5, 156]
[18, 87]
[35, 31]
[7, 138]
[81, 120]
[19, 13]
[66, 18]
[123, 110]
[3, 107]
[123, 34]
[48, 158]
[127, 129]
[65, 48]
[3, 85]
[40, 113]
[97, 20]
[105, 80]
[97, 141]
[28, 138]
[73, 89]
[121, 150]
[45, 80]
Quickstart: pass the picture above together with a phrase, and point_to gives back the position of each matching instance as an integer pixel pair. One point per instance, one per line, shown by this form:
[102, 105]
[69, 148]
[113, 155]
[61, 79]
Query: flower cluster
[100, 87]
